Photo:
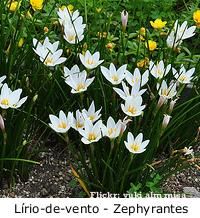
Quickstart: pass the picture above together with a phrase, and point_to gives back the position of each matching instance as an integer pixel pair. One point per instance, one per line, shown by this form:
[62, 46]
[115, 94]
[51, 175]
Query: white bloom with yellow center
[135, 91]
[48, 52]
[72, 25]
[158, 70]
[165, 91]
[78, 122]
[136, 77]
[136, 145]
[62, 123]
[74, 70]
[11, 99]
[90, 61]
[91, 132]
[113, 75]
[91, 114]
[183, 76]
[1, 80]
[79, 82]
[179, 33]
[133, 106]
[111, 130]
[73, 33]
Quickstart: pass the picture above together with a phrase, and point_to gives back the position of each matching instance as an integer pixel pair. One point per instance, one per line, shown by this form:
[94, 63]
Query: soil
[53, 178]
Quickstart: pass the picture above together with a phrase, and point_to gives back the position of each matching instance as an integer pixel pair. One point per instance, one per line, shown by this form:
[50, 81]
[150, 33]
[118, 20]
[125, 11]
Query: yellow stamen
[115, 78]
[91, 136]
[49, 60]
[90, 61]
[182, 78]
[62, 125]
[5, 102]
[111, 131]
[91, 117]
[79, 125]
[135, 147]
[80, 87]
[132, 110]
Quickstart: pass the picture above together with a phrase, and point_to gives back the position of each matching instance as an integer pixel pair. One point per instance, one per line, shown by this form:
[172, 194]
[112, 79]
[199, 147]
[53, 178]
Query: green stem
[126, 171]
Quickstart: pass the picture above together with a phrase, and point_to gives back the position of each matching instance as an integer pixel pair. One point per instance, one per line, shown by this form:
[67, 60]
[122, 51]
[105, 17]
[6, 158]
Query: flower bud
[162, 100]
[124, 19]
[2, 126]
[171, 105]
[35, 98]
[166, 120]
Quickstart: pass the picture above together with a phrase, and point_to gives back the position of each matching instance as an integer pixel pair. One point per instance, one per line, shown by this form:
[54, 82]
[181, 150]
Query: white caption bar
[99, 207]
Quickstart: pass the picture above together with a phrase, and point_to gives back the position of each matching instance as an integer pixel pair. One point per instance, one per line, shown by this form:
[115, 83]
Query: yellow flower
[69, 7]
[143, 63]
[21, 42]
[98, 10]
[46, 29]
[142, 31]
[158, 24]
[110, 46]
[37, 4]
[151, 45]
[196, 17]
[14, 5]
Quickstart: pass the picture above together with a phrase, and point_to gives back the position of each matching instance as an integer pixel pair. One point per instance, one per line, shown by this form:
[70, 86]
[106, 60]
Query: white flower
[113, 75]
[78, 122]
[188, 151]
[91, 132]
[74, 70]
[172, 104]
[91, 114]
[183, 76]
[49, 53]
[11, 99]
[1, 80]
[133, 106]
[72, 24]
[179, 33]
[73, 33]
[90, 61]
[79, 82]
[135, 91]
[62, 123]
[65, 17]
[124, 123]
[136, 77]
[112, 129]
[166, 120]
[137, 145]
[158, 70]
[165, 91]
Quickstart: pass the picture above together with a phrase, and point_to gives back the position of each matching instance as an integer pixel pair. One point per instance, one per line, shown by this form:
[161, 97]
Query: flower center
[111, 131]
[5, 102]
[135, 147]
[132, 110]
[182, 78]
[115, 78]
[90, 61]
[48, 61]
[71, 37]
[91, 136]
[91, 117]
[62, 125]
[165, 92]
[80, 87]
[79, 125]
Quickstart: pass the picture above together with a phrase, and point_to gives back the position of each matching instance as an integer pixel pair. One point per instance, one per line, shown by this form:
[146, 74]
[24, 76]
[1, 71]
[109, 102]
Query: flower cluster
[72, 25]
[48, 52]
